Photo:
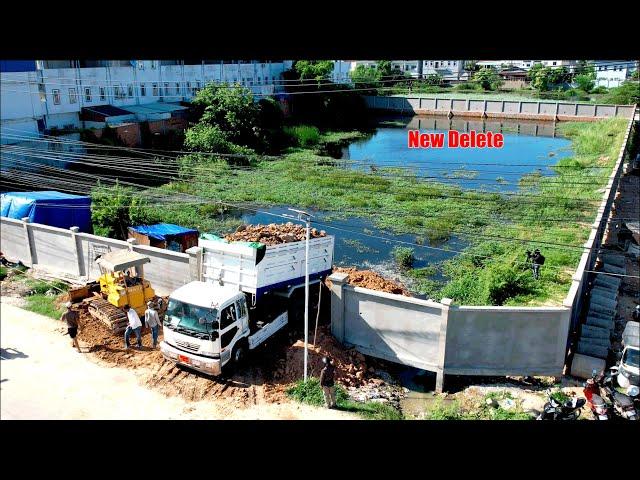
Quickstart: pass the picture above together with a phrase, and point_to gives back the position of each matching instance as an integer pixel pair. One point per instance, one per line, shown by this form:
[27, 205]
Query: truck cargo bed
[258, 270]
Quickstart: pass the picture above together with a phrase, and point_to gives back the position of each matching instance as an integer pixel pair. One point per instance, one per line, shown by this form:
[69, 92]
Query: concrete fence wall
[583, 275]
[449, 339]
[539, 110]
[73, 253]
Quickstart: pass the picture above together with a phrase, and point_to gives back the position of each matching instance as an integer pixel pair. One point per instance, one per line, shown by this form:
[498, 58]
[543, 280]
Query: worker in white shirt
[135, 326]
[152, 320]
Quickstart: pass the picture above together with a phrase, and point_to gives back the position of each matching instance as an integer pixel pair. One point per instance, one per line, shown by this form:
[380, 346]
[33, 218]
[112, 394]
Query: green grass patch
[44, 305]
[303, 135]
[403, 256]
[452, 410]
[310, 392]
[3, 272]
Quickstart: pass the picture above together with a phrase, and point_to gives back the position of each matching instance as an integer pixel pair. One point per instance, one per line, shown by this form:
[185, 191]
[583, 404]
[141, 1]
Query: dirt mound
[351, 367]
[373, 281]
[272, 234]
[155, 371]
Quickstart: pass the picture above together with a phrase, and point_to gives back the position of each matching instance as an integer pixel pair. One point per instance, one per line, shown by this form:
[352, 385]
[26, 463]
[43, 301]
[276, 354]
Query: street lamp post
[302, 215]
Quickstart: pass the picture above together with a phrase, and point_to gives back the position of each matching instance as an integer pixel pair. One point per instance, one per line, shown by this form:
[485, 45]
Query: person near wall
[152, 320]
[327, 382]
[135, 326]
[71, 317]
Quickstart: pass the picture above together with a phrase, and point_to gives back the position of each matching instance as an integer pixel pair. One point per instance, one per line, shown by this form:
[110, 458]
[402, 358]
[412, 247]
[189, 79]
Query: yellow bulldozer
[121, 283]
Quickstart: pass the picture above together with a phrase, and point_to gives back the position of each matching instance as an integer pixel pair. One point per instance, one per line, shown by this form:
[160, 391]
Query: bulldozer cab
[122, 279]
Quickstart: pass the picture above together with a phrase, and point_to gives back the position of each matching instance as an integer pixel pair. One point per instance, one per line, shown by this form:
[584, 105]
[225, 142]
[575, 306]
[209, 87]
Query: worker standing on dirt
[326, 382]
[72, 318]
[152, 320]
[135, 326]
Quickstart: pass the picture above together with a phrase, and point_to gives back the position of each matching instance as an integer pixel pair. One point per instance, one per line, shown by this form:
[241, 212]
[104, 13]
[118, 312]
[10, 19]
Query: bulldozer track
[109, 314]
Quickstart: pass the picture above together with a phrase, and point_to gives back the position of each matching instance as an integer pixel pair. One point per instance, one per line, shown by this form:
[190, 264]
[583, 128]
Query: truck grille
[194, 347]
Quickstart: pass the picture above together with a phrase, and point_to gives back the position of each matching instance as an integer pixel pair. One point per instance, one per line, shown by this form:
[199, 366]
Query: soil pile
[351, 366]
[273, 234]
[371, 280]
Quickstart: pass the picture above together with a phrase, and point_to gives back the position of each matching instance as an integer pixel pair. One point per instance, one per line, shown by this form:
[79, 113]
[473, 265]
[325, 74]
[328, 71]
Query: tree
[313, 69]
[487, 78]
[115, 208]
[229, 122]
[365, 77]
[626, 94]
[544, 78]
[433, 79]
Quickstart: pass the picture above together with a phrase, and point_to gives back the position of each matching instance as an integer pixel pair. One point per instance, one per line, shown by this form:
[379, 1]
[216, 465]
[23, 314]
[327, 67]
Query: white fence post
[78, 250]
[442, 343]
[27, 237]
[338, 282]
[195, 263]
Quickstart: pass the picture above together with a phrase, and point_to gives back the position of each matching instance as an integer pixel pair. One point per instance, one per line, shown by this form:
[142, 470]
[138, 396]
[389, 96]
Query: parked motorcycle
[599, 408]
[623, 405]
[555, 410]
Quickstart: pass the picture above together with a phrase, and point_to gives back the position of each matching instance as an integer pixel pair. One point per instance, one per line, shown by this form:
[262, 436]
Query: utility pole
[302, 215]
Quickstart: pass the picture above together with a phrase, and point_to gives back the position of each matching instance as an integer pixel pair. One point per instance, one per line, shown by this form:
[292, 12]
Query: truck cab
[629, 368]
[206, 326]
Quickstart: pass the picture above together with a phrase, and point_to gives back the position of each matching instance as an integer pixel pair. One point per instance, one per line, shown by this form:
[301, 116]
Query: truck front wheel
[239, 353]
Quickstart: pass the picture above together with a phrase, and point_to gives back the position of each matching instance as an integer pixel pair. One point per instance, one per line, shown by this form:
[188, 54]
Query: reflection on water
[528, 147]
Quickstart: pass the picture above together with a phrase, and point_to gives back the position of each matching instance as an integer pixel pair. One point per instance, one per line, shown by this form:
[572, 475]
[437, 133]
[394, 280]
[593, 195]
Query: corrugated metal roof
[156, 107]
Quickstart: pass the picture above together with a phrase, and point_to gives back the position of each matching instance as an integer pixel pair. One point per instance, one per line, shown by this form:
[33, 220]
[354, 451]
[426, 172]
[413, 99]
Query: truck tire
[239, 353]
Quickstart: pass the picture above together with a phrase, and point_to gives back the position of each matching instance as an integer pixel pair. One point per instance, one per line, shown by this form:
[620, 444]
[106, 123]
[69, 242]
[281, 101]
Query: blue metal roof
[160, 231]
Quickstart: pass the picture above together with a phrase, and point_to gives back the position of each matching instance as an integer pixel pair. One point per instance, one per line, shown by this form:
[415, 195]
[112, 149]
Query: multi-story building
[46, 94]
[525, 64]
[449, 70]
[612, 73]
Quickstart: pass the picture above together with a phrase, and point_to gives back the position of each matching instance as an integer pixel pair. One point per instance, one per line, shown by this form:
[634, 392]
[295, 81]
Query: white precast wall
[449, 339]
[506, 340]
[498, 108]
[73, 254]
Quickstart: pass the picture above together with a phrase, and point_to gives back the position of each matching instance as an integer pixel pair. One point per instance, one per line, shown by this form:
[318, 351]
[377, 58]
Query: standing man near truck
[152, 320]
[135, 326]
[71, 317]
[326, 382]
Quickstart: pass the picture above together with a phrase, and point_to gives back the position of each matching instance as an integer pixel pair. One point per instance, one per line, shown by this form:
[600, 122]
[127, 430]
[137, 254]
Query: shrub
[403, 256]
[600, 89]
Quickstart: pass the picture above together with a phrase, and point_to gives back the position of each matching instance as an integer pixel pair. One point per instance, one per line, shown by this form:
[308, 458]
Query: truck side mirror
[214, 335]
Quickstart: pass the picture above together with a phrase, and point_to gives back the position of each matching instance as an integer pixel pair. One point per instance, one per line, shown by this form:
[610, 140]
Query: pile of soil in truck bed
[371, 280]
[272, 234]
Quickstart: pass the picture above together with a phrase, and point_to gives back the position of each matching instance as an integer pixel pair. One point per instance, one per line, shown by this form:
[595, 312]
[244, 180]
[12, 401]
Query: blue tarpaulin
[52, 208]
[160, 231]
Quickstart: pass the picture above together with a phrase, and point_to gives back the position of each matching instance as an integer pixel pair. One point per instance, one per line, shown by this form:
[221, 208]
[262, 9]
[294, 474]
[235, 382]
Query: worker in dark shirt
[326, 382]
[72, 318]
[537, 260]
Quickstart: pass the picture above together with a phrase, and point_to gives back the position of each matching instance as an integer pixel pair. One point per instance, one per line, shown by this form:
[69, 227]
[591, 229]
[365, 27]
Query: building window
[56, 97]
[198, 84]
[154, 64]
[266, 79]
[143, 90]
[166, 88]
[87, 94]
[177, 88]
[154, 89]
[130, 88]
[73, 97]
[188, 85]
[554, 63]
[103, 94]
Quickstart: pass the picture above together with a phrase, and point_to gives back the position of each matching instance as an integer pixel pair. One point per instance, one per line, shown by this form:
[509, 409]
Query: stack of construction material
[595, 335]
[272, 234]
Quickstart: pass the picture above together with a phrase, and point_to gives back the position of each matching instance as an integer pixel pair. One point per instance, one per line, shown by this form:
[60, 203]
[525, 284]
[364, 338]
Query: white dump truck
[247, 293]
[629, 368]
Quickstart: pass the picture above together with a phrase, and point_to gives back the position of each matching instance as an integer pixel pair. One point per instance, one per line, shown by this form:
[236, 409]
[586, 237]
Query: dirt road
[42, 377]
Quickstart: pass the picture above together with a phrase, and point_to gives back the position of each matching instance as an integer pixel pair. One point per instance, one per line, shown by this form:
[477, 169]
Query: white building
[450, 70]
[54, 93]
[612, 73]
[526, 64]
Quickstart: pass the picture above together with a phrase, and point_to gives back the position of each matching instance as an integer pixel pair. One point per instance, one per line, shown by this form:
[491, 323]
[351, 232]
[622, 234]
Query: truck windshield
[190, 317]
[631, 357]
